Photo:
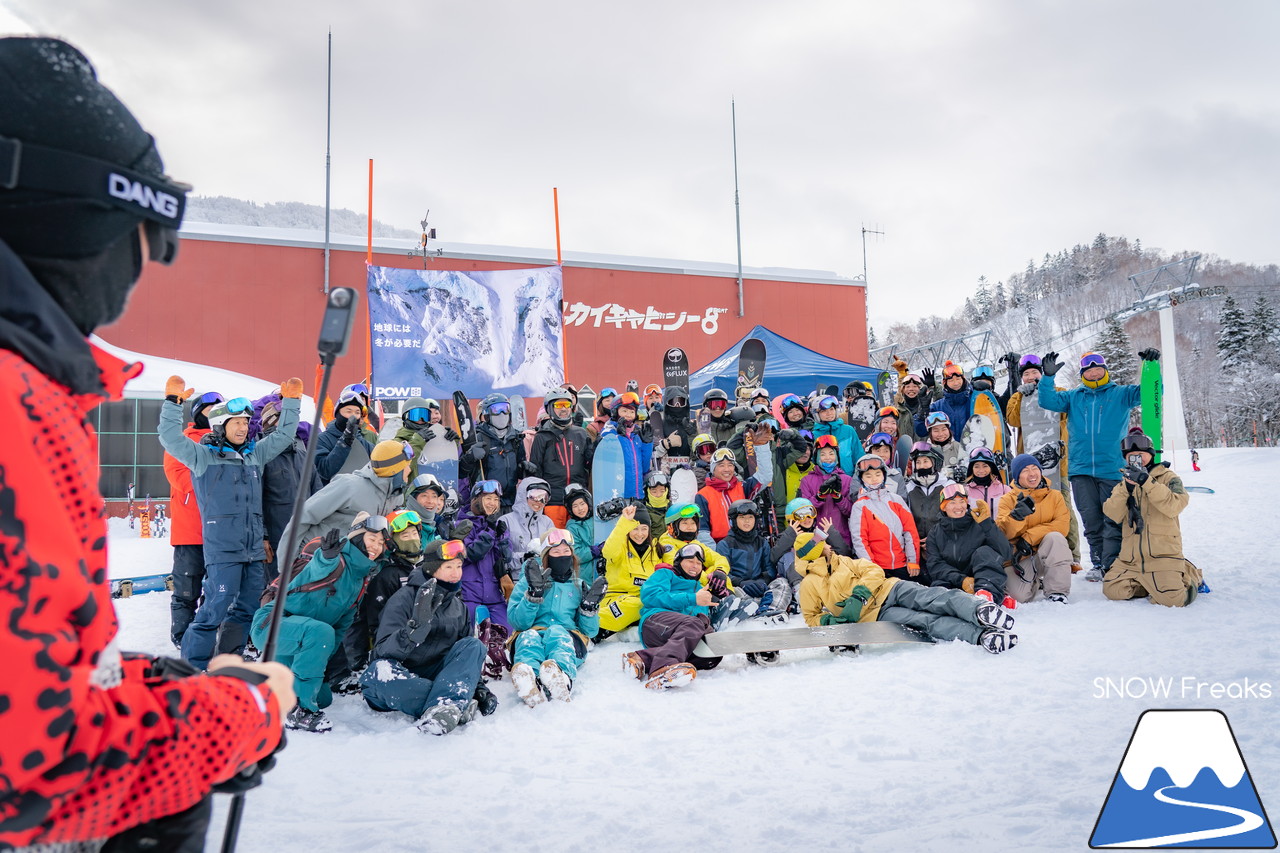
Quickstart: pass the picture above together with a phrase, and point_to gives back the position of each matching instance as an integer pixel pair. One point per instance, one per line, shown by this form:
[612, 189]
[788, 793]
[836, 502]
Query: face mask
[405, 546]
[686, 536]
[561, 568]
[500, 421]
[827, 466]
[925, 478]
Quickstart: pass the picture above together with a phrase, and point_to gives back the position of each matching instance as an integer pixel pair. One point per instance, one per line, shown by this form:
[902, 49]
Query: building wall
[255, 308]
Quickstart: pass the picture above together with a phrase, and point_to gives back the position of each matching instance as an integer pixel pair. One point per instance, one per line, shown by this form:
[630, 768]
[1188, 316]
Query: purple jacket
[488, 557]
[828, 507]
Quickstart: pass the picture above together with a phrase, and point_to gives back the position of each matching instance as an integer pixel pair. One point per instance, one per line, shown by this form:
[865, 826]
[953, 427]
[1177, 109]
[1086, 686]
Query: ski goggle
[921, 447]
[607, 392]
[952, 370]
[723, 454]
[889, 412]
[934, 419]
[652, 391]
[1029, 360]
[426, 481]
[880, 439]
[789, 401]
[1092, 359]
[499, 409]
[807, 435]
[685, 511]
[403, 518]
[657, 479]
[827, 402]
[240, 406]
[952, 491]
[804, 512]
[912, 379]
[358, 392]
[630, 398]
[538, 495]
[488, 487]
[984, 371]
[868, 464]
[678, 402]
[453, 549]
[207, 399]
[718, 404]
[557, 537]
[374, 524]
[767, 422]
[982, 454]
[417, 414]
[827, 441]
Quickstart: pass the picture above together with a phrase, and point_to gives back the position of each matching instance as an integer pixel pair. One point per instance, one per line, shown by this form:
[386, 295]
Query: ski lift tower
[1160, 289]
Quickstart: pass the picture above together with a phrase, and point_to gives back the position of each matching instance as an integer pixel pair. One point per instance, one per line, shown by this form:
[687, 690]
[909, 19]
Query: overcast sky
[977, 134]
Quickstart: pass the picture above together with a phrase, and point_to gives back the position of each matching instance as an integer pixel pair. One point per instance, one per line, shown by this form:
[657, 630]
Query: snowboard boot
[441, 719]
[346, 685]
[300, 719]
[527, 686]
[555, 681]
[1094, 575]
[993, 617]
[470, 712]
[997, 641]
[985, 594]
[1056, 597]
[843, 650]
[675, 675]
[762, 658]
[633, 664]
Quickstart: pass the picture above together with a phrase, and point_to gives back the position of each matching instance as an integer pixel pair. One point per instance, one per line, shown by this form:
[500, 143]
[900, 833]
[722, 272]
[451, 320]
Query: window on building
[129, 449]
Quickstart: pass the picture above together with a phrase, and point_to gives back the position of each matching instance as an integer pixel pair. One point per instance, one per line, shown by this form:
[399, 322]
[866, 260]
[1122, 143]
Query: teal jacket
[666, 589]
[850, 446]
[584, 534]
[559, 606]
[1097, 419]
[334, 605]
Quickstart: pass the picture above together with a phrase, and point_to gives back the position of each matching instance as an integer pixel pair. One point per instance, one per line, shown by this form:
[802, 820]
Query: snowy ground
[900, 748]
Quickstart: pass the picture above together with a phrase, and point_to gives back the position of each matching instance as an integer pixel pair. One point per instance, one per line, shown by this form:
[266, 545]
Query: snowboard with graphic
[986, 428]
[464, 418]
[862, 417]
[721, 643]
[684, 486]
[608, 480]
[1152, 388]
[751, 360]
[675, 369]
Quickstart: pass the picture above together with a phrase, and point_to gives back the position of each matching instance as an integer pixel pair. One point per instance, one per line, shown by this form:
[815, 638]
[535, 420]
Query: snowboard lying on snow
[125, 587]
[721, 643]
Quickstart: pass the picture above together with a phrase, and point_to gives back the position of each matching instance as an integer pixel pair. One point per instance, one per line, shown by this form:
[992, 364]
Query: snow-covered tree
[1266, 327]
[1114, 345]
[1235, 340]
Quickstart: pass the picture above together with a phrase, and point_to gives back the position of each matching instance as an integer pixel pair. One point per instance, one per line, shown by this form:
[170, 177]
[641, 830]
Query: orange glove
[913, 569]
[291, 389]
[174, 386]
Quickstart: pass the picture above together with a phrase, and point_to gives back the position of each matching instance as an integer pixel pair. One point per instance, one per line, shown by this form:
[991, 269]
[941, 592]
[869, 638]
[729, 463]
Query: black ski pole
[335, 332]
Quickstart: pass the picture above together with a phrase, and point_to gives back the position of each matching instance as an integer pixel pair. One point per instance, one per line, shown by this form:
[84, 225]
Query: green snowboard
[1153, 405]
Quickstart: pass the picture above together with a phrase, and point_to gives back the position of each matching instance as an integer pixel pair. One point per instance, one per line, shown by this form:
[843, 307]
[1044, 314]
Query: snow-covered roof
[504, 254]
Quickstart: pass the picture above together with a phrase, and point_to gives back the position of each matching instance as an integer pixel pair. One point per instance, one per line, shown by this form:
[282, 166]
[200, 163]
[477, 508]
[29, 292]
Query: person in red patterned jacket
[95, 744]
[187, 533]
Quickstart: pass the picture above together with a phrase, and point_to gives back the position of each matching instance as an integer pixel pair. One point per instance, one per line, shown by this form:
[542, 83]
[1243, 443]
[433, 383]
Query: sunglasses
[403, 519]
[560, 405]
[489, 487]
[240, 405]
[374, 523]
[499, 408]
[936, 418]
[827, 441]
[954, 490]
[1092, 360]
[453, 549]
[889, 412]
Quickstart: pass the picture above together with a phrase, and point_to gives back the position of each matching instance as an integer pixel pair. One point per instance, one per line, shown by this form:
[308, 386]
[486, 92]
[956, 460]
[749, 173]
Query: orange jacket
[92, 745]
[184, 513]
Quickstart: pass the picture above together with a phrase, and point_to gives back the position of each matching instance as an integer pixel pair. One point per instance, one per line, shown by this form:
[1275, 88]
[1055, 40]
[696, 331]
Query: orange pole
[555, 202]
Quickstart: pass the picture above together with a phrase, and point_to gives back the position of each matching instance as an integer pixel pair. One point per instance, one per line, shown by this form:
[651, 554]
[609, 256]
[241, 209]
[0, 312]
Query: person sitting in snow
[426, 662]
[554, 614]
[1034, 519]
[751, 567]
[966, 550]
[677, 601]
[320, 607]
[881, 527]
[582, 527]
[682, 527]
[1146, 504]
[838, 590]
[526, 524]
[630, 553]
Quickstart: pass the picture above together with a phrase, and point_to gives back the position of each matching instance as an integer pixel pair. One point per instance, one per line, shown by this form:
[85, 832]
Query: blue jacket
[228, 483]
[583, 532]
[850, 446]
[332, 453]
[749, 558]
[956, 405]
[666, 589]
[1097, 419]
[637, 455]
[559, 606]
[334, 605]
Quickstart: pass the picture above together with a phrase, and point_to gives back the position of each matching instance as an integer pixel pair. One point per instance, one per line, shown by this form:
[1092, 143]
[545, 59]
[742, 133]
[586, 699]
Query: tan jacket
[1158, 548]
[830, 579]
[1051, 515]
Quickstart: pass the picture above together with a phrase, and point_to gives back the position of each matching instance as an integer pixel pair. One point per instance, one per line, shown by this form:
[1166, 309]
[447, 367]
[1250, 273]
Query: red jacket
[89, 746]
[184, 514]
[882, 530]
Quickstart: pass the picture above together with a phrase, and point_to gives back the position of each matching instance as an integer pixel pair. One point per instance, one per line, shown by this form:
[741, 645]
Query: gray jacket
[337, 504]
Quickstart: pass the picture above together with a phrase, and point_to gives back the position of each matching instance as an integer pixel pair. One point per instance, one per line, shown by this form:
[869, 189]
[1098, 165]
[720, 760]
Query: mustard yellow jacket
[830, 579]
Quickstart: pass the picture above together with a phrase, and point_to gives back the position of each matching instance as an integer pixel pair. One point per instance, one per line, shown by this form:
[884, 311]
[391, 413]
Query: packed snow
[900, 747]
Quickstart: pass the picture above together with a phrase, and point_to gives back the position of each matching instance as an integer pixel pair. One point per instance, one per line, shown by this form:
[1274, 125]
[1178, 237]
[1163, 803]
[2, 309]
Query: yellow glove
[174, 386]
[291, 388]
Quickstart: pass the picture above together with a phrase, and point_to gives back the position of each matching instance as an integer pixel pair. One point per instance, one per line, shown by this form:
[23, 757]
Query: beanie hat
[436, 552]
[807, 547]
[1020, 463]
[388, 458]
[642, 515]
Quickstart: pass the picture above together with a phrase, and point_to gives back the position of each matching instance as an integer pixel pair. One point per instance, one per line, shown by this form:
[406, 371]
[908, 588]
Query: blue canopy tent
[788, 367]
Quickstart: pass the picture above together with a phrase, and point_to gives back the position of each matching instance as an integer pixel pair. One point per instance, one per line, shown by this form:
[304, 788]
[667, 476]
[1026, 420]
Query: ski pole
[335, 331]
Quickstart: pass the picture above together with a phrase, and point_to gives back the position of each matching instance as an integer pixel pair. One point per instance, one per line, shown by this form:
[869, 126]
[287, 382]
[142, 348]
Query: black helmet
[572, 492]
[743, 507]
[656, 478]
[1135, 442]
[714, 394]
[492, 400]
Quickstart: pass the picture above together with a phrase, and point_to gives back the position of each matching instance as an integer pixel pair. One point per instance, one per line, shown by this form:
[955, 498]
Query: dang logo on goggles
[118, 186]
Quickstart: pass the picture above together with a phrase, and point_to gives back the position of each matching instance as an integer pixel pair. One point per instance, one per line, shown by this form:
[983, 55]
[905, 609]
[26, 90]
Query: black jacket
[421, 623]
[503, 461]
[332, 453]
[561, 456]
[952, 554]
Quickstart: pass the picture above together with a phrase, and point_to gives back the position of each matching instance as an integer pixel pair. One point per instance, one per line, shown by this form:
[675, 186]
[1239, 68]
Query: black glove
[349, 431]
[486, 702]
[500, 529]
[831, 484]
[536, 577]
[450, 435]
[1149, 354]
[1023, 508]
[462, 529]
[479, 451]
[530, 468]
[1050, 365]
[595, 592]
[718, 584]
[787, 435]
[1011, 359]
[331, 544]
[1022, 549]
[1137, 474]
[755, 589]
[927, 375]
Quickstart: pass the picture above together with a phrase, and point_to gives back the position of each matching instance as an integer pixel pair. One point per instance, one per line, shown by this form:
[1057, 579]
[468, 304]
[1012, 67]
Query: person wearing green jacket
[320, 607]
[582, 527]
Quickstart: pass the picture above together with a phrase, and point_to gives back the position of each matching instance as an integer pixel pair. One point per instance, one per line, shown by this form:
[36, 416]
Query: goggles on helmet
[827, 441]
[557, 536]
[934, 419]
[880, 439]
[402, 519]
[241, 406]
[1029, 360]
[718, 405]
[354, 392]
[685, 511]
[872, 462]
[804, 512]
[417, 414]
[453, 549]
[1092, 359]
[560, 405]
[630, 398]
[374, 523]
[827, 402]
[607, 392]
[426, 481]
[500, 408]
[657, 478]
[723, 454]
[912, 379]
[921, 447]
[984, 371]
[953, 490]
[790, 400]
[982, 454]
[208, 398]
[487, 487]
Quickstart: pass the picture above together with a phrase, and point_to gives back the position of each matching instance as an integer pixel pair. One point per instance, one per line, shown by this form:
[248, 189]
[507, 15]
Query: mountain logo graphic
[1183, 783]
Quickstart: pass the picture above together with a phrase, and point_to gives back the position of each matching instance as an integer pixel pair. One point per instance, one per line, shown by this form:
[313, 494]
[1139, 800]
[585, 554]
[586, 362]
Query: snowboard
[586, 403]
[608, 480]
[1040, 436]
[721, 643]
[466, 427]
[519, 417]
[684, 486]
[862, 417]
[633, 385]
[985, 428]
[126, 587]
[1152, 385]
[1200, 490]
[750, 369]
[439, 456]
[675, 369]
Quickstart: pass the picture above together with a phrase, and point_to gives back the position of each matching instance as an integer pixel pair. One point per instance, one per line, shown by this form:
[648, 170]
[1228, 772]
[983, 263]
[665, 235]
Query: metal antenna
[865, 232]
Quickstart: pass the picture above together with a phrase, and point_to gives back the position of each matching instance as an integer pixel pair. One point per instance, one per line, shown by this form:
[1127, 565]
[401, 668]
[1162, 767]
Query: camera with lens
[612, 508]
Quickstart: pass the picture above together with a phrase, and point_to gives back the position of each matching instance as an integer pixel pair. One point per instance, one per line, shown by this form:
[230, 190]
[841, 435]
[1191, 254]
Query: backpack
[299, 563]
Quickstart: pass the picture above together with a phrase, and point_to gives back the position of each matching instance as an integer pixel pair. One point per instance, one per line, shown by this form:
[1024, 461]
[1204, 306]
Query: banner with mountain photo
[434, 332]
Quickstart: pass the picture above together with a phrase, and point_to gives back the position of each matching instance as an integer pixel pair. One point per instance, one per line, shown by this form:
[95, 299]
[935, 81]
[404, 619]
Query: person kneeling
[554, 612]
[426, 663]
[1146, 504]
[966, 549]
[836, 590]
[676, 602]
[319, 608]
